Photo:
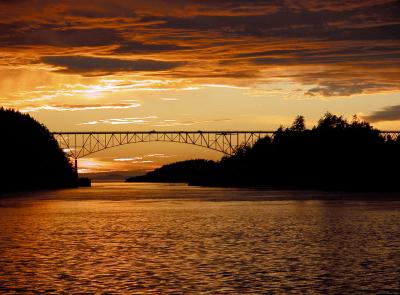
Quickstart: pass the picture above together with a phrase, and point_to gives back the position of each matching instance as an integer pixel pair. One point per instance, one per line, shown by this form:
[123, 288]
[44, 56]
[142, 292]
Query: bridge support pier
[76, 168]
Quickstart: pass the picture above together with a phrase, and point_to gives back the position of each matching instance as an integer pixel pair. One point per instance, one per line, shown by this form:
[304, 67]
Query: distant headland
[31, 158]
[334, 155]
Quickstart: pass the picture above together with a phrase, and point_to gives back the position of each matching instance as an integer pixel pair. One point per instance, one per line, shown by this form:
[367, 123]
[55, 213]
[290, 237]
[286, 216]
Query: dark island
[186, 171]
[333, 155]
[31, 158]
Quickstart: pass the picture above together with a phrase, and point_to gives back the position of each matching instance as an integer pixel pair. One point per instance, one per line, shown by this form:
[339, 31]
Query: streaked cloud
[122, 121]
[153, 121]
[138, 158]
[82, 107]
[64, 38]
[132, 47]
[158, 156]
[390, 113]
[142, 159]
[103, 66]
[93, 89]
[224, 86]
[99, 165]
[318, 44]
[346, 88]
[171, 123]
[169, 99]
[107, 164]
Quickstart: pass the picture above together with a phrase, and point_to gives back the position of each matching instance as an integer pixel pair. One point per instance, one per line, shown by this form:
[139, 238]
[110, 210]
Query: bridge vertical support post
[76, 169]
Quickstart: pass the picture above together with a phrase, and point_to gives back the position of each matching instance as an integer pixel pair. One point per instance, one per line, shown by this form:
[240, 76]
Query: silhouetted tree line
[185, 171]
[335, 154]
[30, 156]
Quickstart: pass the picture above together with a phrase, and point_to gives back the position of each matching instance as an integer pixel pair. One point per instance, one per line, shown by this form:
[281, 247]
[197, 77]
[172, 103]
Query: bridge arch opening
[82, 144]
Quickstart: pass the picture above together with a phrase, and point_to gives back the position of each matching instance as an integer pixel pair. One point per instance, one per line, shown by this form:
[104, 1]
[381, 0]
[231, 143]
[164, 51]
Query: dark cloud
[98, 65]
[142, 48]
[327, 58]
[285, 23]
[61, 38]
[264, 53]
[345, 89]
[390, 113]
[12, 2]
[334, 5]
[330, 53]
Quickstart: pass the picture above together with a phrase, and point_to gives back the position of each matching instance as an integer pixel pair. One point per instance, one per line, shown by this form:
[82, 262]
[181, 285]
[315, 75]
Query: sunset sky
[196, 65]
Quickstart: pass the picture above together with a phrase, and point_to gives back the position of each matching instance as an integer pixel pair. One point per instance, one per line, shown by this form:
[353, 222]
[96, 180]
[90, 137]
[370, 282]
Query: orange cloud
[99, 165]
[320, 44]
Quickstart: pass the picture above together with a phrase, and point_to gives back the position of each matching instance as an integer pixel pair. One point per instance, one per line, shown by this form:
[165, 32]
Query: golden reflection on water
[161, 239]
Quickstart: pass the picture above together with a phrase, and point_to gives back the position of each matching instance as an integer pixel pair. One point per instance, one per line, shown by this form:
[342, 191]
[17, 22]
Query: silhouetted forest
[30, 156]
[335, 155]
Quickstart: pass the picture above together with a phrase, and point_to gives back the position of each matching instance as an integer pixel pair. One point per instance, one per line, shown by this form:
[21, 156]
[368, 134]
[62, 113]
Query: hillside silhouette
[185, 171]
[31, 158]
[335, 155]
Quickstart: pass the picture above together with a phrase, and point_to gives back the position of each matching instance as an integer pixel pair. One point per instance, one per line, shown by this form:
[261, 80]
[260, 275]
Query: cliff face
[30, 156]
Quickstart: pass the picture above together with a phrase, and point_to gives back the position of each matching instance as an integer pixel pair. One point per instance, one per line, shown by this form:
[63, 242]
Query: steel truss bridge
[80, 144]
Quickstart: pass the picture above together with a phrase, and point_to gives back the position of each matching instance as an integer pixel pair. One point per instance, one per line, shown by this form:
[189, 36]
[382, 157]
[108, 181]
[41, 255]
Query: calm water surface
[174, 239]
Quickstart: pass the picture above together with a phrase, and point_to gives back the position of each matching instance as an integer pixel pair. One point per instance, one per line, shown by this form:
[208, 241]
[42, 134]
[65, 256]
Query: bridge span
[80, 144]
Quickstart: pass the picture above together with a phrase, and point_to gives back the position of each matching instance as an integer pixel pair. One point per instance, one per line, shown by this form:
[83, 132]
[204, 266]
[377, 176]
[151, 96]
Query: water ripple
[94, 242]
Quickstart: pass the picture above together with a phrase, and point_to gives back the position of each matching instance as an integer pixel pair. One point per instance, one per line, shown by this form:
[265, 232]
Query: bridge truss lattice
[81, 144]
